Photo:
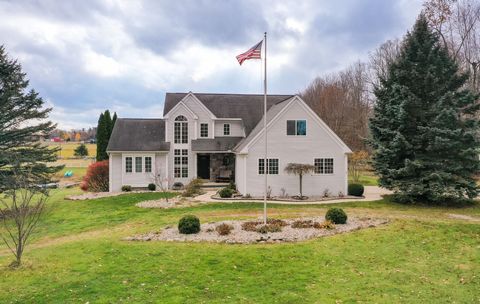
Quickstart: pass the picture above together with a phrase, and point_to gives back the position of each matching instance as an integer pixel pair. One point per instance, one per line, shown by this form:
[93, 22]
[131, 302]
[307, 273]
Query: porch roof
[219, 144]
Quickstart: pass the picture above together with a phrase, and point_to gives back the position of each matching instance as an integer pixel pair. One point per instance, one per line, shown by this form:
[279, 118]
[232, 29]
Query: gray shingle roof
[215, 144]
[248, 107]
[138, 135]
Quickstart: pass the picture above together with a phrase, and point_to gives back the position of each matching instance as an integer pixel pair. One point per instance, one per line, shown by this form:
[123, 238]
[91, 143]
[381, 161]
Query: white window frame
[295, 120]
[228, 127]
[182, 126]
[201, 134]
[145, 164]
[269, 165]
[125, 164]
[324, 158]
[182, 164]
[141, 163]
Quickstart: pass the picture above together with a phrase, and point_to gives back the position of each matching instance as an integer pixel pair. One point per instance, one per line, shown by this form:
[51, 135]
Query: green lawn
[78, 256]
[367, 178]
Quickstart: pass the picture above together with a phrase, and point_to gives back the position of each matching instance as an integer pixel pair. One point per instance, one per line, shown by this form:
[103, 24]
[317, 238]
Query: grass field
[67, 148]
[78, 256]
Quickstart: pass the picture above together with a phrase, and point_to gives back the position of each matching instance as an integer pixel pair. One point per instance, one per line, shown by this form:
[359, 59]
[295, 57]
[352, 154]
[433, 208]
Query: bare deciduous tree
[21, 208]
[342, 101]
[162, 182]
[458, 25]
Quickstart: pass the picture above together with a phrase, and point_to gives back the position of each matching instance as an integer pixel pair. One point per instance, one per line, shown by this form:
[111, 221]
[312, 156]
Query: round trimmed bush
[152, 187]
[355, 189]
[189, 224]
[126, 188]
[225, 192]
[336, 215]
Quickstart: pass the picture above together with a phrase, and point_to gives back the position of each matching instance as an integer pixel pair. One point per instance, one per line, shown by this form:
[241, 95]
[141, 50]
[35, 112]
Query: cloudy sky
[87, 56]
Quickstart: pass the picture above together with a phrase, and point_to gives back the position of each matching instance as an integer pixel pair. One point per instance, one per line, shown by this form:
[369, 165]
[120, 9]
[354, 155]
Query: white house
[219, 137]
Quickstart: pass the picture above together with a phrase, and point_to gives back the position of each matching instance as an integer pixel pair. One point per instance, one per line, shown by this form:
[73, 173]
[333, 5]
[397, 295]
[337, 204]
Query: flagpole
[265, 131]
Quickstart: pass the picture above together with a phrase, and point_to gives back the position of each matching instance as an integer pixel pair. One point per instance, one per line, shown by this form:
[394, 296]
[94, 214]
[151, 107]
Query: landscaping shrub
[269, 228]
[126, 188]
[302, 224]
[336, 215]
[250, 226]
[96, 178]
[189, 224]
[324, 225]
[232, 186]
[273, 221]
[225, 192]
[152, 187]
[193, 188]
[355, 189]
[224, 229]
[177, 186]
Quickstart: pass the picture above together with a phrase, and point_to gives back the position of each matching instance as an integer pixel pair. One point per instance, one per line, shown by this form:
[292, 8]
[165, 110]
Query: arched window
[180, 130]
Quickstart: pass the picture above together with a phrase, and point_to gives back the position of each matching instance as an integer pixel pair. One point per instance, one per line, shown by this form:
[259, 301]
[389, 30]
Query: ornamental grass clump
[189, 224]
[224, 229]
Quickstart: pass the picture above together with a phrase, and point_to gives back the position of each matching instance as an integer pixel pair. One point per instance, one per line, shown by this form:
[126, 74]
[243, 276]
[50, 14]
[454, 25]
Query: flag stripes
[253, 53]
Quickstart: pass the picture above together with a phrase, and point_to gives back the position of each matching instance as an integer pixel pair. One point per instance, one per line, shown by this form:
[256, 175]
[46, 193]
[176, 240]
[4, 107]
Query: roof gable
[248, 107]
[275, 112]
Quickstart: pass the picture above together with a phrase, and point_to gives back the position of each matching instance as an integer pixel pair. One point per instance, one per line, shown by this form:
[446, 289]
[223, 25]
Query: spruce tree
[22, 116]
[424, 128]
[114, 119]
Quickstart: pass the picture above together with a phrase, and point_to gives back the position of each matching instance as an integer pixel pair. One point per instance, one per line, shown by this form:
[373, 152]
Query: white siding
[138, 179]
[203, 116]
[236, 128]
[115, 172]
[297, 149]
[240, 169]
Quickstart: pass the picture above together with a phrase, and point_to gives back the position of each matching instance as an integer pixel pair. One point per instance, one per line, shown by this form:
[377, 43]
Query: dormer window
[297, 127]
[180, 130]
[226, 129]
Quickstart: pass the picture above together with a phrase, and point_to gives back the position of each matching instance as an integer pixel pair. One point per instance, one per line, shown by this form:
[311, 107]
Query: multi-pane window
[180, 130]
[204, 130]
[226, 129]
[138, 164]
[323, 165]
[148, 164]
[180, 163]
[297, 127]
[272, 166]
[128, 164]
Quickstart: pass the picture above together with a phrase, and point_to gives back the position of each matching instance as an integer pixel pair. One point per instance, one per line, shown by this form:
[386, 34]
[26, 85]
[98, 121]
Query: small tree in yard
[81, 151]
[161, 182]
[21, 208]
[300, 170]
[96, 179]
[425, 127]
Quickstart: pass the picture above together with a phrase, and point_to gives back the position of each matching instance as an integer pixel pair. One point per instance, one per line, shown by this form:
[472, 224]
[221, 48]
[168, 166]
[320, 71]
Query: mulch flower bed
[250, 232]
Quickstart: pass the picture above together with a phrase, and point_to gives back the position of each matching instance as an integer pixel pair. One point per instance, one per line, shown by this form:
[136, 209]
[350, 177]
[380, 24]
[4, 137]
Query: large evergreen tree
[22, 115]
[104, 131]
[102, 138]
[424, 130]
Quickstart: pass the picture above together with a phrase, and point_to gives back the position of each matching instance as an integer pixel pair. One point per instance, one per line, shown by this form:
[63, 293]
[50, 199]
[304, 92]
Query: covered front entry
[216, 167]
[203, 166]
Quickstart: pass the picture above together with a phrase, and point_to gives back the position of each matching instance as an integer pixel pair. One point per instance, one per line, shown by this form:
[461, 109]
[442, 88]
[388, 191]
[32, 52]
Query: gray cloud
[84, 56]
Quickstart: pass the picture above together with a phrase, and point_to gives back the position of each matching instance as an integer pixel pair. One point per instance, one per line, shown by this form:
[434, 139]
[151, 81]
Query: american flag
[253, 53]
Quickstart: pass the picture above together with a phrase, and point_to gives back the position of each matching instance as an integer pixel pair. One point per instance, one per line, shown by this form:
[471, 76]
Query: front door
[203, 166]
